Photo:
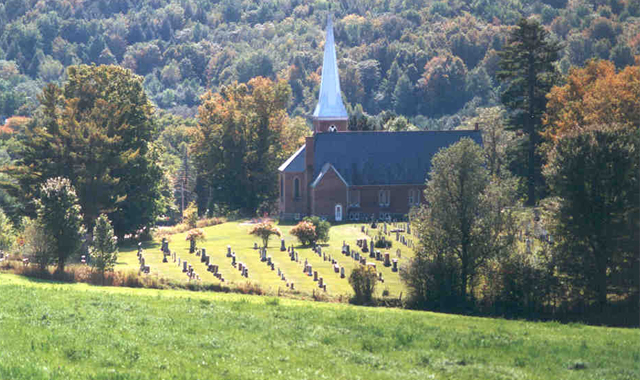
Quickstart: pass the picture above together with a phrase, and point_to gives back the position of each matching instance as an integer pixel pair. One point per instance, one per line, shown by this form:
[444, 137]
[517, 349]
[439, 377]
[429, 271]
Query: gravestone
[336, 268]
[320, 282]
[192, 246]
[395, 265]
[233, 260]
[240, 266]
[297, 258]
[292, 285]
[273, 266]
[356, 256]
[255, 245]
[315, 275]
[283, 247]
[184, 266]
[387, 260]
[310, 272]
[365, 247]
[399, 253]
[164, 259]
[341, 272]
[228, 251]
[371, 252]
[269, 260]
[279, 272]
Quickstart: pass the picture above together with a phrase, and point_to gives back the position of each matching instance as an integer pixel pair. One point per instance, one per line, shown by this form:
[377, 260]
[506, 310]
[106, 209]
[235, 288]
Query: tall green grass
[77, 331]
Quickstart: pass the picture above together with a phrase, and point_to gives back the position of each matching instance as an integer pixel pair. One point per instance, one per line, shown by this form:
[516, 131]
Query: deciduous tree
[61, 217]
[466, 220]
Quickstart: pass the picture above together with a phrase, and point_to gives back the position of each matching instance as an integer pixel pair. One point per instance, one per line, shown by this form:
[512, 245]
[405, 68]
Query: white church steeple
[330, 106]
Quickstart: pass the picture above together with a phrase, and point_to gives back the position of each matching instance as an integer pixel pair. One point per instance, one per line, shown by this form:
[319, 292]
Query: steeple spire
[330, 106]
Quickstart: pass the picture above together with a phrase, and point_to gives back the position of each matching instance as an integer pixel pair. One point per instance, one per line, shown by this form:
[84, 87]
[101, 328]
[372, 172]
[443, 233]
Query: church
[342, 175]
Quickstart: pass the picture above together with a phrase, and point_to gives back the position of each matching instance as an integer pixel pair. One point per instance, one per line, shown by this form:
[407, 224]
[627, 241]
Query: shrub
[322, 228]
[363, 281]
[190, 215]
[305, 232]
[38, 245]
[264, 231]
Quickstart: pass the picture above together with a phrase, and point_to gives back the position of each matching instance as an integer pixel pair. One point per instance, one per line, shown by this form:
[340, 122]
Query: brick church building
[346, 176]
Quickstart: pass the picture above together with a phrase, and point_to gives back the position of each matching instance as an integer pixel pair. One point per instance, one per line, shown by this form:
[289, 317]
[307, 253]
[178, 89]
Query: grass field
[77, 331]
[236, 235]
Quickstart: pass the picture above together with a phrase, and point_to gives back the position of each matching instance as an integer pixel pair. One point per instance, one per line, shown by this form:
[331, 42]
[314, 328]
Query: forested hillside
[423, 59]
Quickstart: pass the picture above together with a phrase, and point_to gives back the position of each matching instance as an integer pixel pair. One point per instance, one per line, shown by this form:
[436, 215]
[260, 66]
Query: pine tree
[526, 66]
[104, 248]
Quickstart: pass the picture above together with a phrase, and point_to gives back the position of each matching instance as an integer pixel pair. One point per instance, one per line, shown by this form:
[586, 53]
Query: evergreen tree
[104, 248]
[594, 174]
[526, 66]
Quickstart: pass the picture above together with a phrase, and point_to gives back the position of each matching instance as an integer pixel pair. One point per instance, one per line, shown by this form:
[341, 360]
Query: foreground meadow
[77, 331]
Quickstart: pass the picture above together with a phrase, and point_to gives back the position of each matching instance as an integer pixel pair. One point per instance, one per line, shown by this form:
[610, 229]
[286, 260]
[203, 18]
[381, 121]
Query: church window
[296, 188]
[354, 198]
[333, 128]
[384, 198]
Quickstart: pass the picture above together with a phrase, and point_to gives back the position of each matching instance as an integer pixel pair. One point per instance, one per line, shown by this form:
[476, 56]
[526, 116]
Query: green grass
[77, 331]
[236, 235]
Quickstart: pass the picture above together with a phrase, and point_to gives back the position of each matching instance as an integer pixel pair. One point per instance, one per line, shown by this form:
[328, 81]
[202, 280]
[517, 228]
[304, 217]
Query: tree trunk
[531, 129]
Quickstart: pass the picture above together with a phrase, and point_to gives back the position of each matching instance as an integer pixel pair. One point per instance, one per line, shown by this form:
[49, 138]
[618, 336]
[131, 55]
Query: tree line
[575, 254]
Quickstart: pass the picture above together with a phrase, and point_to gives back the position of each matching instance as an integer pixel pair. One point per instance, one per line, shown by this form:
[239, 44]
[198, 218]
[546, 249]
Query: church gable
[295, 163]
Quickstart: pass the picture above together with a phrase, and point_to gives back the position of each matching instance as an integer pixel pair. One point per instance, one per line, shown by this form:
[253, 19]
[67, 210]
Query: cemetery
[229, 255]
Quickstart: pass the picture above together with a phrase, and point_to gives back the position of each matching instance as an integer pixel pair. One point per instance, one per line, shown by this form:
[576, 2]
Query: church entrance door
[338, 213]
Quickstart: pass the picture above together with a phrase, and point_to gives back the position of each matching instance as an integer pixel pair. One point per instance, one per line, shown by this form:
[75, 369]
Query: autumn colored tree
[264, 230]
[594, 95]
[526, 68]
[243, 134]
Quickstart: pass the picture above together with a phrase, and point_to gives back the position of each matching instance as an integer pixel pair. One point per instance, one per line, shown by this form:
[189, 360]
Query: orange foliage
[12, 124]
[595, 94]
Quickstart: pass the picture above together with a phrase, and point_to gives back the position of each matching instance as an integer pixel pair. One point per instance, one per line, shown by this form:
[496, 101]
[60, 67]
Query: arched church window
[296, 188]
[333, 128]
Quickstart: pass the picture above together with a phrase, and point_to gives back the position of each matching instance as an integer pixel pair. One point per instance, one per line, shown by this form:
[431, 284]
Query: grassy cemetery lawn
[78, 331]
[235, 234]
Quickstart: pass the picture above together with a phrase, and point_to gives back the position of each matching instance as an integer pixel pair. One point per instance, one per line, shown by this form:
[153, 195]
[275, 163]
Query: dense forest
[422, 59]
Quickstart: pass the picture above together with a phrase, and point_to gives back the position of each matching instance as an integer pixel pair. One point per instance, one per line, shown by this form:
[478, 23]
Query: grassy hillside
[52, 331]
[236, 235]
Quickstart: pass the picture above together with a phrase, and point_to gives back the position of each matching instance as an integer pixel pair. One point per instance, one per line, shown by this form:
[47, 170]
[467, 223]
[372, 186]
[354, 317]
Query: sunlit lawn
[77, 331]
[236, 235]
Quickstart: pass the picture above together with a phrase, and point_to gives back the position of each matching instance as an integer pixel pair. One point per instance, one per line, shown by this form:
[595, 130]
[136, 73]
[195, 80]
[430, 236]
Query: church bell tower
[330, 114]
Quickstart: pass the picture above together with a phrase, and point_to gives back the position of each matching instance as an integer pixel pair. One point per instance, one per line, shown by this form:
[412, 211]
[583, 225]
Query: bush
[363, 280]
[38, 245]
[305, 232]
[104, 248]
[322, 228]
[190, 215]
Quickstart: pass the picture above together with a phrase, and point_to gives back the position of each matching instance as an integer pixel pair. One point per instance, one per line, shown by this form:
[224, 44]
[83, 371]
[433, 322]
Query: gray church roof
[330, 104]
[383, 158]
[295, 163]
